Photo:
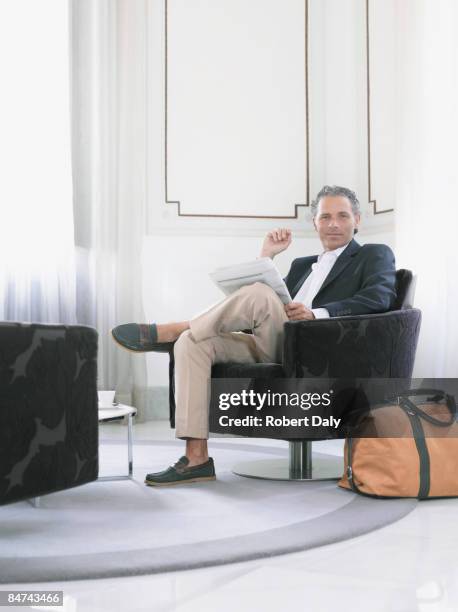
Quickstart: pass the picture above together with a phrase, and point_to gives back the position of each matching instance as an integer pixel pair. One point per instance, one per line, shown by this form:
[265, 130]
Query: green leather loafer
[180, 473]
[139, 338]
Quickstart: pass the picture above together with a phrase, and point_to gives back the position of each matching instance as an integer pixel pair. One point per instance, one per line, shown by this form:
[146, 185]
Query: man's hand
[275, 242]
[296, 311]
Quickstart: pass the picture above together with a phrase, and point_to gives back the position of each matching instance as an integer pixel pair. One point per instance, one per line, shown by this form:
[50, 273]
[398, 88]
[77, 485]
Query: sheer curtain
[85, 117]
[37, 281]
[427, 185]
[109, 169]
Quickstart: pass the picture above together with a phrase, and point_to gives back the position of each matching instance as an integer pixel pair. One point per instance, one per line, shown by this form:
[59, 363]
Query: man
[346, 279]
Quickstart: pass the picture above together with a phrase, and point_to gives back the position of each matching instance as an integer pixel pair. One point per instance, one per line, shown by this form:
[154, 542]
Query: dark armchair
[364, 346]
[48, 409]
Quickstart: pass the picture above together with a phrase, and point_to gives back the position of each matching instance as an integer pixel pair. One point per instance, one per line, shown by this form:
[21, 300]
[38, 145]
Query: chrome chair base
[301, 465]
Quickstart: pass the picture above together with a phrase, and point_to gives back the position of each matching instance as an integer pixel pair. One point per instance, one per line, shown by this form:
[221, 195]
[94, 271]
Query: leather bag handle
[437, 395]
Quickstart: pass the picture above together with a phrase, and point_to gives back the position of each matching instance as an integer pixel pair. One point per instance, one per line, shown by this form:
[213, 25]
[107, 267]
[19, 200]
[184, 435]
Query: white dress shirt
[315, 280]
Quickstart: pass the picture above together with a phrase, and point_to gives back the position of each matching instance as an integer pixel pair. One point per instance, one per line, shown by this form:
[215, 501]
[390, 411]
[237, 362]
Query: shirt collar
[335, 253]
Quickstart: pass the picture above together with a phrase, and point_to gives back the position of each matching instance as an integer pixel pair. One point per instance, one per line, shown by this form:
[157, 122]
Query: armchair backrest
[405, 290]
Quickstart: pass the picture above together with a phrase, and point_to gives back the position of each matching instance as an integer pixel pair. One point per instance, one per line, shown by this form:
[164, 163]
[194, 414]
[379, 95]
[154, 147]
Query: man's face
[335, 222]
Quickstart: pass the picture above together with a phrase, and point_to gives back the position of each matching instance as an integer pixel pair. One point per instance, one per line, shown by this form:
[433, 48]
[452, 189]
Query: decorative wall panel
[236, 135]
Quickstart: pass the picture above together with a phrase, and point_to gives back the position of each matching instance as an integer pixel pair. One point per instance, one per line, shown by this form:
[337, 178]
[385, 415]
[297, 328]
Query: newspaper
[263, 270]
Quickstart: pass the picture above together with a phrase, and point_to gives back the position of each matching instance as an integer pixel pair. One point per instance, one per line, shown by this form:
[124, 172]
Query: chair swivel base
[324, 467]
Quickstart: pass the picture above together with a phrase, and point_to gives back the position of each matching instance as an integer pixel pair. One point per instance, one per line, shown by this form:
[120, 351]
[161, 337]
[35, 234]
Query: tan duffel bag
[422, 461]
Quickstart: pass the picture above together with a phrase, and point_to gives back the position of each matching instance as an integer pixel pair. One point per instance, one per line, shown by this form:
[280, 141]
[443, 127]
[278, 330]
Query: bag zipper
[349, 466]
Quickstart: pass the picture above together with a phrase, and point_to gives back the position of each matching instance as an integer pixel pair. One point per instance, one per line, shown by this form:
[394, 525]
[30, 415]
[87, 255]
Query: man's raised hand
[275, 242]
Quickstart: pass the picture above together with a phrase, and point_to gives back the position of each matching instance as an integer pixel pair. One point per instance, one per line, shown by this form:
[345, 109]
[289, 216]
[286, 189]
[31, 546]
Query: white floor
[409, 566]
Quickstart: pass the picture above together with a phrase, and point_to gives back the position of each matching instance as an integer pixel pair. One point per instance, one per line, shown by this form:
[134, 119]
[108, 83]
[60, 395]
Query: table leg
[130, 461]
[129, 445]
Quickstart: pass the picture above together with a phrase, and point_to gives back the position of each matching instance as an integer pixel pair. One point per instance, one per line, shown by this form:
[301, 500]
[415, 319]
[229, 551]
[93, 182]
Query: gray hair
[335, 190]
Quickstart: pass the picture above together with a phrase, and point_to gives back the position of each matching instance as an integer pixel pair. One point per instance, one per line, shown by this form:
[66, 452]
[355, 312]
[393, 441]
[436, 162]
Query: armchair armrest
[48, 409]
[364, 346]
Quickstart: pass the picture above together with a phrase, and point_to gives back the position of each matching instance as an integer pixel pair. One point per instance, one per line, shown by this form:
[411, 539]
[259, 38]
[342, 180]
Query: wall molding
[371, 198]
[372, 201]
[177, 203]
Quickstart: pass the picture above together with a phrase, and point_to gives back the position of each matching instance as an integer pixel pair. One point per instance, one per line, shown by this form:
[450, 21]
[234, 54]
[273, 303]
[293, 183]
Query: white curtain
[426, 209]
[109, 153]
[37, 280]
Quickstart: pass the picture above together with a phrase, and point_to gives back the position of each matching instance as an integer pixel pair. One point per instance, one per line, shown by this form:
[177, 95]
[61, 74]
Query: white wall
[338, 129]
[236, 106]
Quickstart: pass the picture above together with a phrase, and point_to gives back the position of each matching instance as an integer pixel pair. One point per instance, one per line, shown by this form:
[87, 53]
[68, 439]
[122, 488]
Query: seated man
[346, 279]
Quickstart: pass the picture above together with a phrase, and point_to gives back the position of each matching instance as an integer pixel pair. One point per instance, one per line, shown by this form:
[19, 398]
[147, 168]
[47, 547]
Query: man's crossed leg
[215, 336]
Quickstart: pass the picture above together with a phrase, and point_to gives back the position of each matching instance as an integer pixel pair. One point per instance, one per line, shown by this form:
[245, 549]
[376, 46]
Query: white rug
[124, 528]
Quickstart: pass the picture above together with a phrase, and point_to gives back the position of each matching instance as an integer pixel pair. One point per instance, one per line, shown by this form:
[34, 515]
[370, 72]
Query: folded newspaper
[263, 270]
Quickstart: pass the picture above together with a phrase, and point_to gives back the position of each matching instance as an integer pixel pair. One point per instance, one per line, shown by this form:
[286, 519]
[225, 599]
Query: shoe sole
[178, 482]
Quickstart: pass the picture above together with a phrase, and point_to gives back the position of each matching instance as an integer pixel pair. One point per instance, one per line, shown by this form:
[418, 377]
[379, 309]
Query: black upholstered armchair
[363, 346]
[48, 409]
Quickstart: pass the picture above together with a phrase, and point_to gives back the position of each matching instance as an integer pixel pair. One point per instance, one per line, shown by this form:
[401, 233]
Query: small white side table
[118, 412]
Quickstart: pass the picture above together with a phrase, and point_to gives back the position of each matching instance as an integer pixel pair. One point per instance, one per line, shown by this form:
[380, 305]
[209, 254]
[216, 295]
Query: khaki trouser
[215, 337]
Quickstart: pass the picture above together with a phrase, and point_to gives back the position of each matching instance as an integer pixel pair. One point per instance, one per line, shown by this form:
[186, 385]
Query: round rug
[123, 528]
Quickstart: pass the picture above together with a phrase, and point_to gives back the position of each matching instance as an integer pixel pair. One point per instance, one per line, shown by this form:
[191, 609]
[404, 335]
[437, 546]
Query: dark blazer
[361, 281]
